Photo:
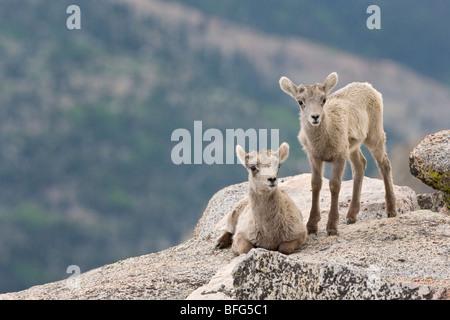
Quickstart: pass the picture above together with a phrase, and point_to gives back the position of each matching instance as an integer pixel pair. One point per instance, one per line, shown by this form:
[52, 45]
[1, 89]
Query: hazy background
[86, 116]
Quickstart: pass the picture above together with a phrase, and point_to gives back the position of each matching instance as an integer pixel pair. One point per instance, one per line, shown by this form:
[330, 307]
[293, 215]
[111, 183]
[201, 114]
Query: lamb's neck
[318, 133]
[264, 204]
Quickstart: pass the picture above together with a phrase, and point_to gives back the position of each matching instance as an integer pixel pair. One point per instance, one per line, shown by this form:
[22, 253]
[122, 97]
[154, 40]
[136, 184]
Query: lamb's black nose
[315, 118]
[272, 180]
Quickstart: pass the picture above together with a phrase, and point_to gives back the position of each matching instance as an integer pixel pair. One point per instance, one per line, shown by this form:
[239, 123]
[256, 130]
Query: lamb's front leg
[225, 240]
[316, 185]
[335, 187]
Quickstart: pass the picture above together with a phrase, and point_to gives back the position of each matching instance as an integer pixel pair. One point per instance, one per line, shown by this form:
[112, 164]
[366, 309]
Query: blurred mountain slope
[412, 33]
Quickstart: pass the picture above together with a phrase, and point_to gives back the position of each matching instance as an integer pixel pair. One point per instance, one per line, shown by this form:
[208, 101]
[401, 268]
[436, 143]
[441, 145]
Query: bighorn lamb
[333, 128]
[266, 217]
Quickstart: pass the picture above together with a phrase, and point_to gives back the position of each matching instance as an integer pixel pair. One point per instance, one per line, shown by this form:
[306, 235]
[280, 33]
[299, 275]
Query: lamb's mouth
[315, 123]
[271, 185]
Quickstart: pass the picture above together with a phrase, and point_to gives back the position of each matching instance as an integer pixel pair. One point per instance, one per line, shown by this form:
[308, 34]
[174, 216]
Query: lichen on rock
[430, 162]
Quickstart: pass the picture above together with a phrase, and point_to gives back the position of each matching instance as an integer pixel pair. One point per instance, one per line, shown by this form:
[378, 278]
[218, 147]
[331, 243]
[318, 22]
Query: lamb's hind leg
[289, 246]
[379, 153]
[241, 245]
[358, 166]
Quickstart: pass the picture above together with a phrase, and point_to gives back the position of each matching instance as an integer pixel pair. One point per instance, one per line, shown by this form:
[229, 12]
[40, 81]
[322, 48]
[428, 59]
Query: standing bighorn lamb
[332, 129]
[266, 217]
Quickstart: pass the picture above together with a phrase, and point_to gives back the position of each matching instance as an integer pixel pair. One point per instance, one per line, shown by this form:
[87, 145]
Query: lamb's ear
[330, 82]
[283, 152]
[288, 86]
[240, 154]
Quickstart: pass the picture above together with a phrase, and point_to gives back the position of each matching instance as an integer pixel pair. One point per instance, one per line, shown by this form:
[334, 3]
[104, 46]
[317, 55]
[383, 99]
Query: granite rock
[406, 257]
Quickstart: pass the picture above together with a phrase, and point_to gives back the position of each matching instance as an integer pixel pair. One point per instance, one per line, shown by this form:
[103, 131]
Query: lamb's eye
[300, 102]
[279, 166]
[324, 100]
[253, 168]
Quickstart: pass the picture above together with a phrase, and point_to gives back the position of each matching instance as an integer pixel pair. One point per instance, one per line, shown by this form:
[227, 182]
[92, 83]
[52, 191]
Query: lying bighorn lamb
[267, 217]
[332, 129]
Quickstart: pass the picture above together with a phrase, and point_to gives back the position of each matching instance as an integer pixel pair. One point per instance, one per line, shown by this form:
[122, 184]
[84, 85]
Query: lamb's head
[263, 166]
[311, 98]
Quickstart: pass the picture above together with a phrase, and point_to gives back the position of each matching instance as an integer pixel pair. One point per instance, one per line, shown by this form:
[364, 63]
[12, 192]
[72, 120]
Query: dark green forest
[86, 118]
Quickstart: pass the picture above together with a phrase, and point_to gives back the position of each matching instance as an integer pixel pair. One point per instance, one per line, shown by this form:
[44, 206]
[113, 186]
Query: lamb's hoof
[332, 233]
[224, 241]
[312, 231]
[220, 245]
[351, 221]
[392, 214]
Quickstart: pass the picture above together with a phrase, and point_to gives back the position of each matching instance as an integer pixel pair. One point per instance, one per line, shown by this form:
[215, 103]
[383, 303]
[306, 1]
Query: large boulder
[430, 162]
[396, 258]
[299, 189]
[376, 258]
